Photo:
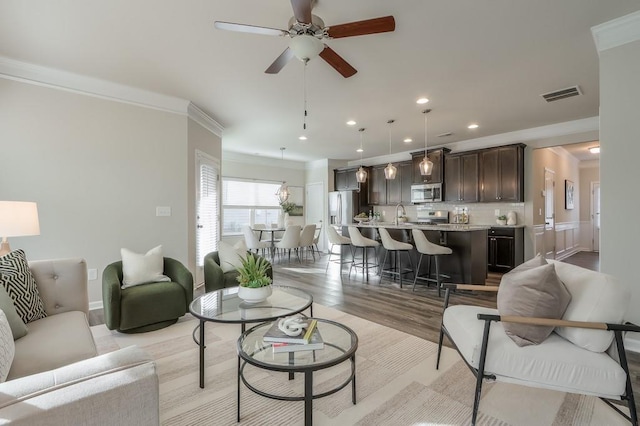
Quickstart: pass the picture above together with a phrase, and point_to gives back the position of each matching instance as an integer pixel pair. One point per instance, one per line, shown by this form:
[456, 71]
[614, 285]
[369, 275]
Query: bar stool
[396, 248]
[426, 247]
[336, 239]
[358, 241]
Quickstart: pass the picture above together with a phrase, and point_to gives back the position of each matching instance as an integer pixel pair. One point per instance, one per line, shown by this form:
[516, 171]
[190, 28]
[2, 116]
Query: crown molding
[203, 119]
[617, 32]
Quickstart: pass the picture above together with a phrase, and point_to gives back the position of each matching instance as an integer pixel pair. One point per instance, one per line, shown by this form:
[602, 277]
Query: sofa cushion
[151, 303]
[554, 364]
[7, 347]
[17, 279]
[532, 292]
[142, 268]
[18, 327]
[52, 342]
[595, 297]
[230, 256]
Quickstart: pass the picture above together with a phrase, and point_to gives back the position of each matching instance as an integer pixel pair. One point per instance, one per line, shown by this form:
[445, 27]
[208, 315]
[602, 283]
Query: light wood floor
[416, 312]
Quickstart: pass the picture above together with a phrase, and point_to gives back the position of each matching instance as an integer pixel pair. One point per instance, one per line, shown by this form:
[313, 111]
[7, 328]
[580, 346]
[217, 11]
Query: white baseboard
[567, 253]
[95, 305]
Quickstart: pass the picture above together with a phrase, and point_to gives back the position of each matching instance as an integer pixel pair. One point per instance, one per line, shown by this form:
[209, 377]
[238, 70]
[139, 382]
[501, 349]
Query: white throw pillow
[7, 347]
[230, 256]
[142, 268]
[595, 297]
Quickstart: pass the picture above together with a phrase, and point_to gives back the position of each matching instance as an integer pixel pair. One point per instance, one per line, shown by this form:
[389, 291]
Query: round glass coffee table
[225, 306]
[340, 345]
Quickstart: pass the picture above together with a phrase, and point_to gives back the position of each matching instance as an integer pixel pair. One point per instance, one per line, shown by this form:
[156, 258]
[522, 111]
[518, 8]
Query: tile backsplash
[479, 213]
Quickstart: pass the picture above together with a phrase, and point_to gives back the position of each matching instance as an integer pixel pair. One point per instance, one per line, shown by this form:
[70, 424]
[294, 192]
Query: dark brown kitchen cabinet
[502, 174]
[345, 180]
[461, 177]
[505, 248]
[399, 189]
[377, 186]
[437, 158]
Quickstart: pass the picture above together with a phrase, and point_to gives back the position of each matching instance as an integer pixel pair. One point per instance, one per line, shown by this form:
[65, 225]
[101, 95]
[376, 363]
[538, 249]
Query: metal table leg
[201, 343]
[308, 398]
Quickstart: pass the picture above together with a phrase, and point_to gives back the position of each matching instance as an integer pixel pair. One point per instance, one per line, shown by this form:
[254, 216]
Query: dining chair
[290, 240]
[306, 240]
[252, 241]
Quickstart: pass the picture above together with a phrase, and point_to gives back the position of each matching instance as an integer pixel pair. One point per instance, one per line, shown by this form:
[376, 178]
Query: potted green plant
[501, 220]
[255, 284]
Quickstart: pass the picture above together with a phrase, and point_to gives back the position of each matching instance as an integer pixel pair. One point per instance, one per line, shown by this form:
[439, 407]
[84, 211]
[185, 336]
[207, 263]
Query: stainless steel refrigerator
[343, 206]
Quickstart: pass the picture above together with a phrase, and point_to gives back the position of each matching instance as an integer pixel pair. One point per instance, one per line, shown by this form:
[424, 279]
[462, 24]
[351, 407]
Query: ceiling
[581, 150]
[478, 61]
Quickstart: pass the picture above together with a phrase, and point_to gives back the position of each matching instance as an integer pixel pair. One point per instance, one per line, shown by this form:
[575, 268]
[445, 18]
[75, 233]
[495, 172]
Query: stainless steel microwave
[426, 193]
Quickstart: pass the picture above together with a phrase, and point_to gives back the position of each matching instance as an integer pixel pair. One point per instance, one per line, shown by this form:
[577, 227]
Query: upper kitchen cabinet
[345, 179]
[461, 177]
[399, 189]
[377, 186]
[437, 158]
[502, 174]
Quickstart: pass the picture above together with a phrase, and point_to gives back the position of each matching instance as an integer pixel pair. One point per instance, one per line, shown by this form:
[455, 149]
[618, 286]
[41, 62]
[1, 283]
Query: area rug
[397, 384]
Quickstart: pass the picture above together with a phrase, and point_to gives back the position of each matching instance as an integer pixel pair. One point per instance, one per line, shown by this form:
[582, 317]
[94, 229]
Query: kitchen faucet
[399, 206]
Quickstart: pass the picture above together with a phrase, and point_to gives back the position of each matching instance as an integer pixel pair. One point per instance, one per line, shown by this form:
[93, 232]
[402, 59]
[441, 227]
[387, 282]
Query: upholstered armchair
[215, 278]
[583, 354]
[149, 306]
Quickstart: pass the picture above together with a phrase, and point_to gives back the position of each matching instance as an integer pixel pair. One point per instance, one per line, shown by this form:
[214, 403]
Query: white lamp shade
[426, 167]
[18, 219]
[361, 175]
[390, 171]
[305, 46]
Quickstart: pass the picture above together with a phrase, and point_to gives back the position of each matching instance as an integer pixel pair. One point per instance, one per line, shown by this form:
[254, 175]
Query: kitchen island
[466, 265]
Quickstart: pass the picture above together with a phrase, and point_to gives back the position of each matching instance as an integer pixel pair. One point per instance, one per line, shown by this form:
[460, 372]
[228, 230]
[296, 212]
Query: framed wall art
[568, 195]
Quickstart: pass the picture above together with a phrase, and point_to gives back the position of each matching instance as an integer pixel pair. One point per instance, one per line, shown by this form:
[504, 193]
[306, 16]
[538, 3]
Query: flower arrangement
[253, 273]
[288, 206]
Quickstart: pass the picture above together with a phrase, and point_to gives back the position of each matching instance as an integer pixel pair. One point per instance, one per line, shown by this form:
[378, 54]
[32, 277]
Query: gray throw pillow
[16, 278]
[532, 292]
[18, 327]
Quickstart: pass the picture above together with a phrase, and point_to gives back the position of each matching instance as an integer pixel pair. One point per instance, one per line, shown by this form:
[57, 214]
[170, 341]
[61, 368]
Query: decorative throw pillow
[18, 281]
[18, 327]
[532, 292]
[142, 268]
[7, 347]
[230, 256]
[529, 264]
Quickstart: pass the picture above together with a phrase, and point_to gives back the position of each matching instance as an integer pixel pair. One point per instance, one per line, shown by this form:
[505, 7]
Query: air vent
[442, 135]
[561, 94]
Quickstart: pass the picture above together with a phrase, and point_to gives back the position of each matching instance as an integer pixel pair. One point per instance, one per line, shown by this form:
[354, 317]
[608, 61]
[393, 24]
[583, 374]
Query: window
[247, 203]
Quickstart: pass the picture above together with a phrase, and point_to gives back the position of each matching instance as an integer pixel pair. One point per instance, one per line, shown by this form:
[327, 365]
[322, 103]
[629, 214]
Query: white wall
[619, 155]
[588, 175]
[97, 170]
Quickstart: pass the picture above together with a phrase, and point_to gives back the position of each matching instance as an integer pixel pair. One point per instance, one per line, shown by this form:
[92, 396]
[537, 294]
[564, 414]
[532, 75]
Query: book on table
[274, 334]
[315, 343]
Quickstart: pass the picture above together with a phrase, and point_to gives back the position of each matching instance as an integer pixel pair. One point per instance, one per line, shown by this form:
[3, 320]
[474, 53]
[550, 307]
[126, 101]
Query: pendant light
[390, 171]
[283, 192]
[426, 166]
[361, 174]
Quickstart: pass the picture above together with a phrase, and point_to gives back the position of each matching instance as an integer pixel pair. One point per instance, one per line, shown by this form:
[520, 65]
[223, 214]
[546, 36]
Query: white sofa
[56, 377]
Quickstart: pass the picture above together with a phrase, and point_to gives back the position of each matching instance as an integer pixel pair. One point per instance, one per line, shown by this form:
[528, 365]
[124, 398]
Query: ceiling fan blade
[280, 62]
[337, 62]
[302, 10]
[244, 28]
[369, 26]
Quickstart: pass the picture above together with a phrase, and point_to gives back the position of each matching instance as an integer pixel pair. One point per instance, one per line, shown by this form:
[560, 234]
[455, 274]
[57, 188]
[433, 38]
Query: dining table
[272, 231]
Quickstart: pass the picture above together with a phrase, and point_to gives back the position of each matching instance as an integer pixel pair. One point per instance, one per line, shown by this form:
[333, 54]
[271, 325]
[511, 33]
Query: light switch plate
[497, 212]
[163, 211]
[92, 274]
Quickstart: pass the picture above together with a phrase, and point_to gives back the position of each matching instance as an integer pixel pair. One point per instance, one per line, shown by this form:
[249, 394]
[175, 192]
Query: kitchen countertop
[450, 227]
[507, 226]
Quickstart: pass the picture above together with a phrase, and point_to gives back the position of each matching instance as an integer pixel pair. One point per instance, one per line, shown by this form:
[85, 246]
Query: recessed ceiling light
[422, 101]
[473, 126]
[359, 150]
[407, 140]
[351, 123]
[594, 150]
[302, 138]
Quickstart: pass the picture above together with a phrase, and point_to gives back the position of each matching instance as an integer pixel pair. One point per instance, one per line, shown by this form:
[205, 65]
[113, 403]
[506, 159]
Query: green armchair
[215, 278]
[146, 307]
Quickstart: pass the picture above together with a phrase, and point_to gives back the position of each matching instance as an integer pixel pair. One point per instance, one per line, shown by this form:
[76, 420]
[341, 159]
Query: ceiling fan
[307, 32]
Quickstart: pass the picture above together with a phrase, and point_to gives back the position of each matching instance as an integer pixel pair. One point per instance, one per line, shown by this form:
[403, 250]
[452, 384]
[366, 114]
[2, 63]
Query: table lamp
[17, 219]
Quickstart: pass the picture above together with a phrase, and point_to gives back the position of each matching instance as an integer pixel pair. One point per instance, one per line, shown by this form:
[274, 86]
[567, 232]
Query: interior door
[314, 212]
[207, 210]
[549, 214]
[595, 215]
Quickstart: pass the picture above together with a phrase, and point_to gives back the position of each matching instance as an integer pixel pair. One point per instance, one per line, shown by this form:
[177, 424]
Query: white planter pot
[254, 295]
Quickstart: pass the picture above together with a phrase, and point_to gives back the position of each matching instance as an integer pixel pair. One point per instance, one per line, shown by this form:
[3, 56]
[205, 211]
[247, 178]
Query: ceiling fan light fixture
[305, 46]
